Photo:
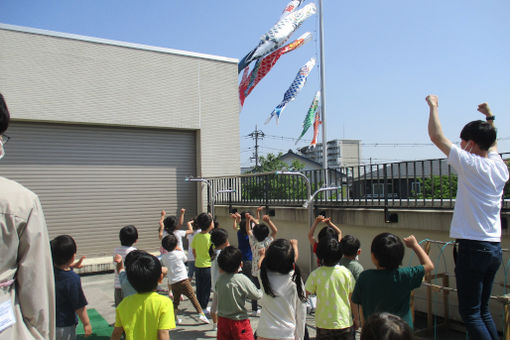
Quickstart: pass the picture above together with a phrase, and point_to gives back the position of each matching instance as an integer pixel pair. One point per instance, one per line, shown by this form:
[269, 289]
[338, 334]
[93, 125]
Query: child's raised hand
[410, 241]
[163, 213]
[293, 243]
[319, 219]
[79, 264]
[183, 211]
[117, 258]
[327, 220]
[432, 100]
[259, 209]
[266, 218]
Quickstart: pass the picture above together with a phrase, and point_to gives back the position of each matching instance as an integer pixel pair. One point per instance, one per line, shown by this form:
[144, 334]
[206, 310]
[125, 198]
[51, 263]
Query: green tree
[271, 186]
[438, 187]
[272, 162]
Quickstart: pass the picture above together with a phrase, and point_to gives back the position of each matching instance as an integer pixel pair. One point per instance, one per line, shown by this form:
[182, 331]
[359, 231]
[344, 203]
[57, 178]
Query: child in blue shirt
[69, 298]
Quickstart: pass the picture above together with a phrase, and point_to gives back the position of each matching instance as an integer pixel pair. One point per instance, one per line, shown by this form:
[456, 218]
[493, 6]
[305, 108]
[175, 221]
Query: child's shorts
[65, 333]
[335, 334]
[234, 329]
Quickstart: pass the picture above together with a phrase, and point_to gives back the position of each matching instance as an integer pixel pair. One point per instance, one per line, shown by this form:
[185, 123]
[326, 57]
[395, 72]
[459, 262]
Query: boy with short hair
[388, 288]
[259, 238]
[350, 246]
[329, 231]
[174, 259]
[200, 245]
[333, 284]
[145, 315]
[233, 288]
[128, 236]
[69, 298]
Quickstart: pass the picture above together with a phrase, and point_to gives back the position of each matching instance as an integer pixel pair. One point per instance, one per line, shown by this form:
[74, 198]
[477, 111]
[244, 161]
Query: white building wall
[54, 77]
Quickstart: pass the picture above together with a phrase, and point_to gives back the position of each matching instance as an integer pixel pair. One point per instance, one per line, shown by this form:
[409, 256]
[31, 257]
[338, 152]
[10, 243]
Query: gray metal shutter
[93, 180]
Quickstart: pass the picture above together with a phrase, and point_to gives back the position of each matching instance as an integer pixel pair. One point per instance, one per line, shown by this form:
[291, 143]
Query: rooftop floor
[98, 289]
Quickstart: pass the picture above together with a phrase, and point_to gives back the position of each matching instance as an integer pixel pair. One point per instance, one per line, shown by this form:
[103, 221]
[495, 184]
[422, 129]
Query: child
[350, 246]
[330, 231]
[219, 240]
[201, 244]
[128, 236]
[178, 281]
[283, 313]
[333, 284]
[386, 326]
[69, 298]
[388, 288]
[233, 288]
[145, 315]
[191, 259]
[168, 225]
[127, 288]
[259, 239]
[243, 242]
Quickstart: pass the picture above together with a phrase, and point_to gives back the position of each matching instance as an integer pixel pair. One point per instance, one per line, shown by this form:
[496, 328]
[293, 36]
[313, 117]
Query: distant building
[341, 153]
[308, 164]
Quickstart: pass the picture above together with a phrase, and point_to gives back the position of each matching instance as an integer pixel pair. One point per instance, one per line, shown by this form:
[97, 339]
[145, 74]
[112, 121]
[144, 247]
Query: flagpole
[323, 97]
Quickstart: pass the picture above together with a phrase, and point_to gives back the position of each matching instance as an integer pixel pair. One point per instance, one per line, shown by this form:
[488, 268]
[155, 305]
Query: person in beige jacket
[27, 293]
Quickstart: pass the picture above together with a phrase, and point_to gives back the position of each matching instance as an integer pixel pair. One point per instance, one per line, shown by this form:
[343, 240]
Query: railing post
[266, 189]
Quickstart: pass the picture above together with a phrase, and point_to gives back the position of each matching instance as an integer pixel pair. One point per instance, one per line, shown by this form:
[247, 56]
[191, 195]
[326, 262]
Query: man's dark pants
[476, 265]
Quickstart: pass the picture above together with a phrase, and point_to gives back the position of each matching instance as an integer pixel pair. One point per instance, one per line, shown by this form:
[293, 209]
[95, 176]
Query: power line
[375, 144]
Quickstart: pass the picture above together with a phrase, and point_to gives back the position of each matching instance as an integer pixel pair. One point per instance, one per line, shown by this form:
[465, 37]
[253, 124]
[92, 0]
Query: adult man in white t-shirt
[476, 223]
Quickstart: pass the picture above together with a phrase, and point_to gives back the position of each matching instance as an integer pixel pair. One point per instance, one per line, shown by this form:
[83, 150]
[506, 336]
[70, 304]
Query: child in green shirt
[145, 315]
[388, 287]
[200, 245]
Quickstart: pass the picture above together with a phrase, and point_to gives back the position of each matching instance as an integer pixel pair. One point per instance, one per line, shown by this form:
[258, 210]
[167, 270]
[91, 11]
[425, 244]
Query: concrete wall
[367, 223]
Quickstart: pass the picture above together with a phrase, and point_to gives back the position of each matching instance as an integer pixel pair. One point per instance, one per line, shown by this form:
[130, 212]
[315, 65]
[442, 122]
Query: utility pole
[256, 135]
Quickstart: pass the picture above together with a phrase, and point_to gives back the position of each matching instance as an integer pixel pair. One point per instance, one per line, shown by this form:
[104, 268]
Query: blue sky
[382, 59]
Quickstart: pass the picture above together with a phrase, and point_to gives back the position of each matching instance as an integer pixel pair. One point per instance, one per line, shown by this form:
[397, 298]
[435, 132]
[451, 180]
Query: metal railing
[430, 184]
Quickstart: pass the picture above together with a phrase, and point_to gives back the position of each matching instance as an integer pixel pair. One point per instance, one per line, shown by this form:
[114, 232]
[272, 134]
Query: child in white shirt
[175, 260]
[283, 313]
[260, 238]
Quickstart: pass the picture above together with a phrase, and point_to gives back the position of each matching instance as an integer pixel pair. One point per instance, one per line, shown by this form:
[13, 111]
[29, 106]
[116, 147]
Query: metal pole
[323, 97]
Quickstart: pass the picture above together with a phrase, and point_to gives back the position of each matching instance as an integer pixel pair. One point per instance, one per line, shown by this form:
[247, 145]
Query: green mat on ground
[101, 330]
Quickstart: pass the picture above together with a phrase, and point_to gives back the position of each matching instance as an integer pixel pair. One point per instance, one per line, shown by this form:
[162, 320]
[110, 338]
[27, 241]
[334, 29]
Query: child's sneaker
[215, 326]
[203, 318]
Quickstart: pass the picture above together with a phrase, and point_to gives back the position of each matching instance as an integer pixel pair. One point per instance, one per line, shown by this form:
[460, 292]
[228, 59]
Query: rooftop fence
[419, 184]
